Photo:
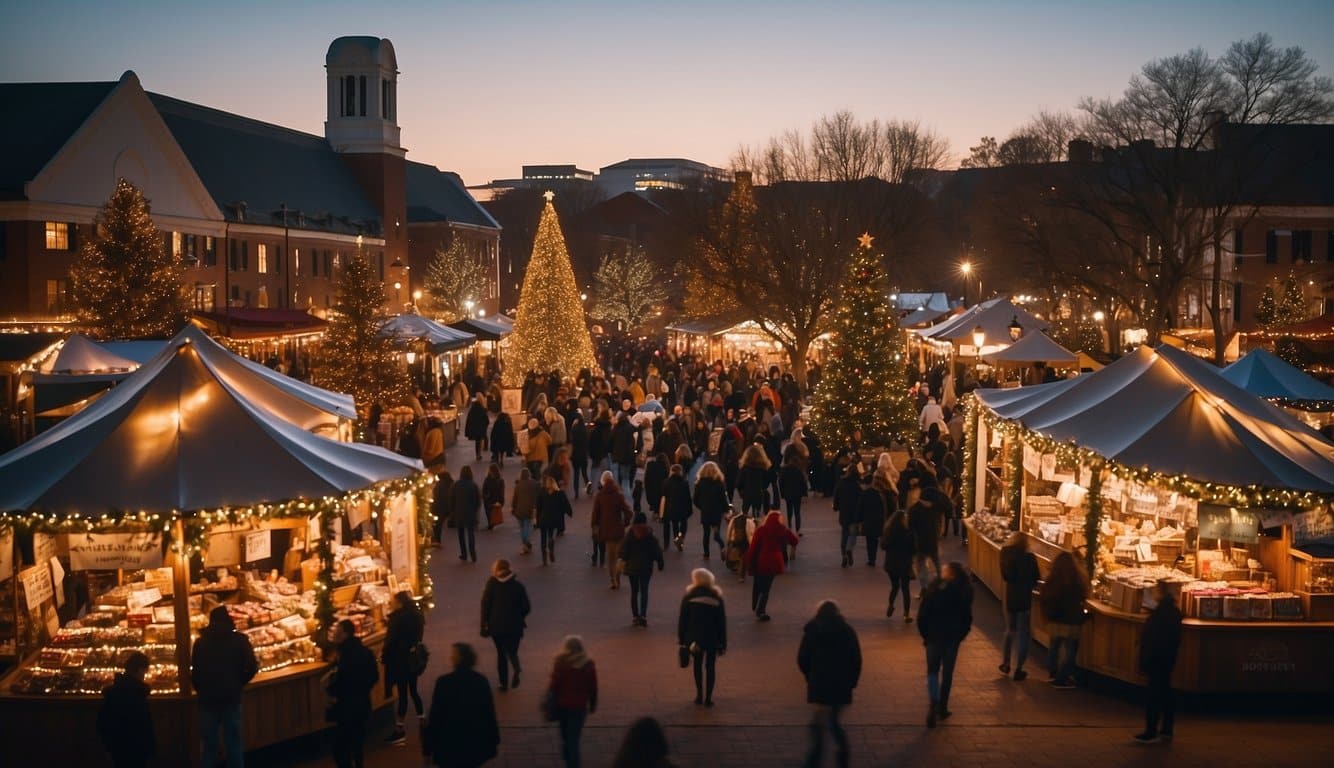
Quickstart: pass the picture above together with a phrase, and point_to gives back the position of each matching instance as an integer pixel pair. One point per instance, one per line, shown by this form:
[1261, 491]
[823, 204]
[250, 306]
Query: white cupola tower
[362, 75]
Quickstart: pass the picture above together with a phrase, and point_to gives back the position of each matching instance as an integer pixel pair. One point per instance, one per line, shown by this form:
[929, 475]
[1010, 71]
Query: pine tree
[453, 278]
[357, 359]
[1292, 307]
[550, 333]
[1266, 312]
[865, 381]
[124, 283]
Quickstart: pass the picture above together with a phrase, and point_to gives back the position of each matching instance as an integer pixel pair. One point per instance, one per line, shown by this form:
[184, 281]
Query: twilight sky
[489, 86]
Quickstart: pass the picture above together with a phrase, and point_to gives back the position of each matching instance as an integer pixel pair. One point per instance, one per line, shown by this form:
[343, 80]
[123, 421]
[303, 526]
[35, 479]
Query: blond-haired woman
[710, 499]
[753, 480]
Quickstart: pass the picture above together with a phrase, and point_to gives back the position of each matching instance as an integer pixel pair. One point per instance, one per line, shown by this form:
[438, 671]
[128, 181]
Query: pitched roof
[1269, 376]
[439, 196]
[30, 143]
[265, 166]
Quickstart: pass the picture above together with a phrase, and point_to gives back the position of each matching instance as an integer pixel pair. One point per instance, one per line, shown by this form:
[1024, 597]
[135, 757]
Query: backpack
[418, 657]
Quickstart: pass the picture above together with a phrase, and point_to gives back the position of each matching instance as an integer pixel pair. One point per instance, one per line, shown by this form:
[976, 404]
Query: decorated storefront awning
[1035, 347]
[1264, 374]
[413, 327]
[1163, 413]
[255, 323]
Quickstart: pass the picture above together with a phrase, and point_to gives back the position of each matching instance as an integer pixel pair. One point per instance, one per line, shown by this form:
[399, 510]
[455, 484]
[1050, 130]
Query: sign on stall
[1228, 524]
[258, 546]
[58, 581]
[1032, 461]
[109, 551]
[1315, 525]
[400, 537]
[142, 598]
[37, 587]
[357, 513]
[312, 533]
[43, 548]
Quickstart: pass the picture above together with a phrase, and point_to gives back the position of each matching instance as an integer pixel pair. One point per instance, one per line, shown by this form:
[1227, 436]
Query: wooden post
[180, 579]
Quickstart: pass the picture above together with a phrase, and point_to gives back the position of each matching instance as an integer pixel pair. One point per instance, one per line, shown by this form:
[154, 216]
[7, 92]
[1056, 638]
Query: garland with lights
[1093, 520]
[968, 484]
[1014, 492]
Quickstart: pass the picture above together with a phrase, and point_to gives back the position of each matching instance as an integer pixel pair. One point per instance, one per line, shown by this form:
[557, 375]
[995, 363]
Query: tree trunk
[1216, 306]
[796, 353]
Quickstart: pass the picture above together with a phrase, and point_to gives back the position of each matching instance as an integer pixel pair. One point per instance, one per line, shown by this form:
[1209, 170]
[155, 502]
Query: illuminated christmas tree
[550, 333]
[357, 359]
[125, 284]
[864, 385]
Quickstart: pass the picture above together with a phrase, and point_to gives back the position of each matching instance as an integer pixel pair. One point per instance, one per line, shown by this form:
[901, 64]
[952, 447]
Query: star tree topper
[865, 239]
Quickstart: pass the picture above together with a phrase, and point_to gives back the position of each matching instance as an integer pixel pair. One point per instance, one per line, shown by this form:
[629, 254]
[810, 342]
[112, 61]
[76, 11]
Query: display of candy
[992, 526]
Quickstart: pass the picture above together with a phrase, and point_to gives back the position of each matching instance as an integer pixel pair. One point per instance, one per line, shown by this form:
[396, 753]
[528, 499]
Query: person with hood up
[701, 631]
[354, 675]
[639, 552]
[553, 506]
[406, 625]
[124, 722]
[610, 515]
[711, 500]
[572, 695]
[675, 507]
[505, 610]
[943, 620]
[461, 730]
[766, 558]
[502, 438]
[847, 503]
[830, 658]
[464, 505]
[623, 450]
[221, 663]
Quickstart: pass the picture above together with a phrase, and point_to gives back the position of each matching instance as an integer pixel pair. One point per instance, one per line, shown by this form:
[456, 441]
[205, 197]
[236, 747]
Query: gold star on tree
[865, 239]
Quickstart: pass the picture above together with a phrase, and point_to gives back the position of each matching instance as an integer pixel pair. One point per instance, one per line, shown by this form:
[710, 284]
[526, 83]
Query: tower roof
[361, 51]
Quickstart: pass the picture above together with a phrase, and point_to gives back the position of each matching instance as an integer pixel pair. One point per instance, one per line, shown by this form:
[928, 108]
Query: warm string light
[968, 483]
[550, 333]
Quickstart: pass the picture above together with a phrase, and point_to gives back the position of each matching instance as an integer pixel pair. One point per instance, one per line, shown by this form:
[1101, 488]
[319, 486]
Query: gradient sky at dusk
[489, 86]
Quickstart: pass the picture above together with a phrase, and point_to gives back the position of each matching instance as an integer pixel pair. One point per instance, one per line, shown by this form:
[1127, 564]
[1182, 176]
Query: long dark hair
[1065, 576]
[645, 744]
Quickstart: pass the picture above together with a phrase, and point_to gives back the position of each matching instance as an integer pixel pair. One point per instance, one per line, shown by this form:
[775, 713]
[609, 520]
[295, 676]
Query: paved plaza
[761, 712]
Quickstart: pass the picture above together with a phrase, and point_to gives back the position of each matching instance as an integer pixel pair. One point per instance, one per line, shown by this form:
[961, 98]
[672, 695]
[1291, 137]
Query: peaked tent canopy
[1271, 377]
[409, 327]
[1032, 348]
[1166, 411]
[81, 355]
[486, 328]
[179, 436]
[994, 315]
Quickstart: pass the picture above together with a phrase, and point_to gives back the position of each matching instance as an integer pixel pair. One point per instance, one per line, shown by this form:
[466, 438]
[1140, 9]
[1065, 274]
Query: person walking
[792, 486]
[1158, 646]
[656, 470]
[553, 506]
[403, 660]
[572, 695]
[711, 501]
[493, 495]
[609, 518]
[639, 552]
[354, 675]
[221, 664]
[944, 619]
[476, 424]
[1019, 570]
[539, 448]
[502, 440]
[924, 520]
[505, 608]
[645, 746]
[830, 658]
[1062, 600]
[579, 452]
[897, 541]
[766, 558]
[124, 723]
[599, 444]
[461, 729]
[847, 503]
[701, 631]
[875, 505]
[464, 505]
[752, 480]
[523, 505]
[623, 450]
[676, 508]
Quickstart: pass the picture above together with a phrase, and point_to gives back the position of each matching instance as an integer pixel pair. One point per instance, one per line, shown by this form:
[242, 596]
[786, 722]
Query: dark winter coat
[640, 550]
[711, 499]
[792, 483]
[465, 501]
[1019, 569]
[477, 422]
[830, 658]
[610, 514]
[505, 607]
[847, 500]
[599, 441]
[874, 507]
[703, 619]
[493, 491]
[676, 494]
[552, 509]
[925, 523]
[766, 555]
[1161, 639]
[655, 475]
[442, 497]
[125, 723]
[946, 614]
[752, 482]
[405, 629]
[1062, 605]
[461, 730]
[220, 665]
[623, 442]
[524, 501]
[897, 541]
[502, 435]
[578, 433]
[354, 676]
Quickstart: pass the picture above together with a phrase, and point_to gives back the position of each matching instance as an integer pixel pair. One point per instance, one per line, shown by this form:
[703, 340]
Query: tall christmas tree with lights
[357, 359]
[864, 385]
[125, 283]
[550, 333]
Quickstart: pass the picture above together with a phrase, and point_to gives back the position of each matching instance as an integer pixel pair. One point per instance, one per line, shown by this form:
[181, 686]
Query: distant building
[648, 174]
[561, 179]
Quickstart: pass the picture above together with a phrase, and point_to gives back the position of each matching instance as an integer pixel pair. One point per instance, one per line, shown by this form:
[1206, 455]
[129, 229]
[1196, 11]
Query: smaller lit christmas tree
[125, 283]
[1292, 306]
[1266, 312]
[864, 383]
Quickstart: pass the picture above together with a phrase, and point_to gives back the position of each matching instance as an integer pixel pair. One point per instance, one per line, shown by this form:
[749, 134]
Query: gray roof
[265, 166]
[436, 195]
[53, 112]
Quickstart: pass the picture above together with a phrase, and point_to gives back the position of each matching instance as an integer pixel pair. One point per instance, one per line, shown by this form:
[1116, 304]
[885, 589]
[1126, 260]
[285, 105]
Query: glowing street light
[1098, 316]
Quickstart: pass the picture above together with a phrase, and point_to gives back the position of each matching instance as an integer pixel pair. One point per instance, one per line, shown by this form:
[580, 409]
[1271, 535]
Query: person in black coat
[461, 730]
[465, 502]
[944, 620]
[623, 435]
[406, 625]
[752, 481]
[847, 503]
[505, 608]
[676, 507]
[577, 432]
[711, 501]
[875, 505]
[792, 486]
[655, 476]
[701, 631]
[639, 551]
[897, 541]
[1158, 648]
[124, 722]
[354, 675]
[830, 658]
[475, 427]
[221, 664]
[553, 506]
[1019, 570]
[925, 521]
[502, 438]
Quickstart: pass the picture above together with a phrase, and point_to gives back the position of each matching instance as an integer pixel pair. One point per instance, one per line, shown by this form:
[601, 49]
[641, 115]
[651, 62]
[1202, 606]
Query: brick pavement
[761, 712]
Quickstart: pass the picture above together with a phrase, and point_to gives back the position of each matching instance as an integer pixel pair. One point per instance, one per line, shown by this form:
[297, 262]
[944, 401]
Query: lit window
[296, 260]
[56, 295]
[262, 257]
[57, 236]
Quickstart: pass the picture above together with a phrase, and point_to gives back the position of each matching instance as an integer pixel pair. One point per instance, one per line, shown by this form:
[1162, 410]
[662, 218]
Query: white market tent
[1166, 410]
[1265, 374]
[993, 315]
[178, 435]
[1032, 348]
[81, 355]
[414, 327]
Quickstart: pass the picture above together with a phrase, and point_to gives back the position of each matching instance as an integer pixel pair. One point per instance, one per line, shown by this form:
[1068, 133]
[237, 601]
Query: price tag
[258, 546]
[142, 598]
[36, 585]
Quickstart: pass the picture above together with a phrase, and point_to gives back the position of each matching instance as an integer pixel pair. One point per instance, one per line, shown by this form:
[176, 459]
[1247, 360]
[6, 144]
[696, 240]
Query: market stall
[970, 336]
[1156, 467]
[179, 491]
[1267, 375]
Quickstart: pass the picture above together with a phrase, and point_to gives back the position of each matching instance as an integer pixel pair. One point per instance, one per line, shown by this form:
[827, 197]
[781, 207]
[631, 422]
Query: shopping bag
[495, 515]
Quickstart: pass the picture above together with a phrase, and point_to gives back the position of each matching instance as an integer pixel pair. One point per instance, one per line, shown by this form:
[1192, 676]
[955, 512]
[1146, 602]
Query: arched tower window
[349, 96]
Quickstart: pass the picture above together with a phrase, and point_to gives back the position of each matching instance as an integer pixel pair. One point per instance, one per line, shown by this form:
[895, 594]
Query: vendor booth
[970, 336]
[187, 487]
[1267, 375]
[1158, 468]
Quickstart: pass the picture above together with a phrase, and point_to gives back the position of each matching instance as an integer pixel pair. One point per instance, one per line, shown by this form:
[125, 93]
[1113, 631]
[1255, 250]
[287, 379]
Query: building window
[328, 263]
[245, 255]
[384, 98]
[203, 298]
[361, 103]
[57, 236]
[262, 258]
[349, 96]
[379, 262]
[278, 260]
[177, 244]
[210, 252]
[57, 292]
[262, 300]
[1237, 244]
[1301, 245]
[233, 261]
[1271, 247]
[296, 261]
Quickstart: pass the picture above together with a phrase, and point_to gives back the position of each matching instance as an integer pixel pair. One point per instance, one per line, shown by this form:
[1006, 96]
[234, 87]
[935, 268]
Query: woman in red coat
[766, 558]
[572, 695]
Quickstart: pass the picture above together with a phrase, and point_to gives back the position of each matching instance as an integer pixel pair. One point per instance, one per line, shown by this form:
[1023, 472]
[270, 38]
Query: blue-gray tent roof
[40, 118]
[436, 195]
[1269, 376]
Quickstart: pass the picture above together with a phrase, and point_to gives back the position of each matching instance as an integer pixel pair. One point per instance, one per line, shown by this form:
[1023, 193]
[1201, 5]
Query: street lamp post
[979, 337]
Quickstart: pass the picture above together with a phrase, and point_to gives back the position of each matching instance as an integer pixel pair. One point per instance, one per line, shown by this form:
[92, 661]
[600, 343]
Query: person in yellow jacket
[539, 448]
